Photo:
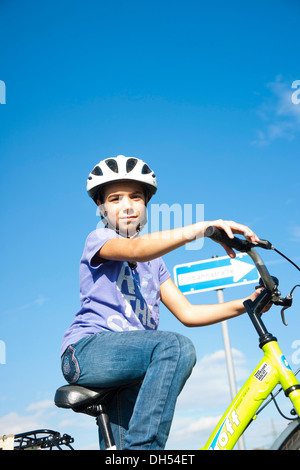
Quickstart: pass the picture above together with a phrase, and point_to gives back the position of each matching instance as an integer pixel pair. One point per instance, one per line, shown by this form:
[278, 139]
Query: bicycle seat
[78, 397]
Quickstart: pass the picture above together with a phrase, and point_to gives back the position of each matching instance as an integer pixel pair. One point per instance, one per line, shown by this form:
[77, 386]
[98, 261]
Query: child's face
[124, 206]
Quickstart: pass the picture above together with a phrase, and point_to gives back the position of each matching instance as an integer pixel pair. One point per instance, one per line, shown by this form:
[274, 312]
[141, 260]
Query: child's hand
[255, 295]
[231, 227]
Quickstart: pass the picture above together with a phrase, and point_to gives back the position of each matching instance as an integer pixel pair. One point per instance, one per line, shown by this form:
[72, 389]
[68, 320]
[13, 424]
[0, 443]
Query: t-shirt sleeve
[94, 243]
[163, 272]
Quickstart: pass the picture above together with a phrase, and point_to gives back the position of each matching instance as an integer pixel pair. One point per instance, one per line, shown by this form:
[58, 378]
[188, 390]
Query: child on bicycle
[114, 339]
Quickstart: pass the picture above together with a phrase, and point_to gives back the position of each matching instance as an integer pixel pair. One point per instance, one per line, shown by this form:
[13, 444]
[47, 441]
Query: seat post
[104, 425]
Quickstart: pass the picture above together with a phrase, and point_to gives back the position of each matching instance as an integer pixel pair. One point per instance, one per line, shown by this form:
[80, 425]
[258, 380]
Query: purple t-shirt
[113, 296]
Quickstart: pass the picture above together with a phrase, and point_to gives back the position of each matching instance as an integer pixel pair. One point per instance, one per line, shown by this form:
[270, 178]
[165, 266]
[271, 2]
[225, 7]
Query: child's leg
[171, 364]
[163, 360]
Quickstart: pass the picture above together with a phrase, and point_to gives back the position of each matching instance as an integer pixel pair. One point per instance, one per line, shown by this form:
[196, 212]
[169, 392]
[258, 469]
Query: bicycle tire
[293, 441]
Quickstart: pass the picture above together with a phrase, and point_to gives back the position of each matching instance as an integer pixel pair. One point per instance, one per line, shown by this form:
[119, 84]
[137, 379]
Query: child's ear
[102, 211]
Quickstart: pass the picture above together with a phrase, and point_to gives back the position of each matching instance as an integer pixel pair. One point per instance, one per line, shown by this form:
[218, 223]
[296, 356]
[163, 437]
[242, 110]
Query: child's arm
[151, 246]
[199, 315]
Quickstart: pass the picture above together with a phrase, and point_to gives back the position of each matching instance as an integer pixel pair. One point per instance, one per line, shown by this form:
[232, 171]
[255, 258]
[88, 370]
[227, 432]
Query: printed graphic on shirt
[139, 300]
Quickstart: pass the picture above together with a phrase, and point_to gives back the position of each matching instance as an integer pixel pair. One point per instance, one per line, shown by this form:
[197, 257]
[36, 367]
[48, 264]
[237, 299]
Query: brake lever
[286, 303]
[277, 300]
[282, 316]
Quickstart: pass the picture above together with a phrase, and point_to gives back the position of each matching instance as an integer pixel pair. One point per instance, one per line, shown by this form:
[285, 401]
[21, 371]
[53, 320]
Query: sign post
[217, 274]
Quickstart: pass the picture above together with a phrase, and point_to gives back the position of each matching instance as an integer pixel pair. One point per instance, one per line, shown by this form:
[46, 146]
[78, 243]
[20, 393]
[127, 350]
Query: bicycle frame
[272, 370]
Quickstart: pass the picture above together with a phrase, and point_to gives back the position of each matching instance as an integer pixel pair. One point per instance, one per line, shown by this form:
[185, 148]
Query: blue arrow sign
[215, 273]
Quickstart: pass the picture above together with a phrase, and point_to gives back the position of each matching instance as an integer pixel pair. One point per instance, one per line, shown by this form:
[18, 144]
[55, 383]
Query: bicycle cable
[280, 412]
[288, 259]
[272, 395]
[276, 404]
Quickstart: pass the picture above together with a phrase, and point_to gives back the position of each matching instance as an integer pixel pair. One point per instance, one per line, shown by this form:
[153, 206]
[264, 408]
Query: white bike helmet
[121, 168]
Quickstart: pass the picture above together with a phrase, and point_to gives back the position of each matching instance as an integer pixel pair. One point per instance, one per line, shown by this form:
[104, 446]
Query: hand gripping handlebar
[245, 246]
[269, 282]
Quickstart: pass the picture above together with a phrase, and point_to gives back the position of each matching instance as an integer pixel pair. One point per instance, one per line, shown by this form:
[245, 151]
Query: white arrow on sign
[237, 269]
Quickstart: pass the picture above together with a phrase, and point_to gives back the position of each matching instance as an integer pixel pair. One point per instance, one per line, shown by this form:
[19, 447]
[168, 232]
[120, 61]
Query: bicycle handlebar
[246, 246]
[270, 293]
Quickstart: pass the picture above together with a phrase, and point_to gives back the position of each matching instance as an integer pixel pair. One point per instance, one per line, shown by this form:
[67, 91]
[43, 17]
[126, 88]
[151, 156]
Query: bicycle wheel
[293, 441]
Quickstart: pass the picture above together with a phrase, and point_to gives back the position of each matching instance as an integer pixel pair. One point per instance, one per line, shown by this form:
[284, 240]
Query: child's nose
[127, 204]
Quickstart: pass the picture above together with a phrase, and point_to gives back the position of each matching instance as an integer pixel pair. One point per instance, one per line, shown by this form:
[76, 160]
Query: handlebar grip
[220, 236]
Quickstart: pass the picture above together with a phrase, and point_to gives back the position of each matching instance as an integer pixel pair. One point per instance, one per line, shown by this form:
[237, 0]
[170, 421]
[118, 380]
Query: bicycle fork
[272, 370]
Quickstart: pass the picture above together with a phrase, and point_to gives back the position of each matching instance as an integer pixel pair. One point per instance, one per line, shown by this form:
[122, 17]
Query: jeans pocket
[70, 366]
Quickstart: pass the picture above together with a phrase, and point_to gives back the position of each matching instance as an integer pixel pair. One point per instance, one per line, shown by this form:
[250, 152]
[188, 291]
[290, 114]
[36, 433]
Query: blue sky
[202, 91]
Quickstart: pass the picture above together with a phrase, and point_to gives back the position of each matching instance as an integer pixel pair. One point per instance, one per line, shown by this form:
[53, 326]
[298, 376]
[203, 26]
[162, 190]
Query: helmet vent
[130, 164]
[97, 171]
[112, 164]
[146, 169]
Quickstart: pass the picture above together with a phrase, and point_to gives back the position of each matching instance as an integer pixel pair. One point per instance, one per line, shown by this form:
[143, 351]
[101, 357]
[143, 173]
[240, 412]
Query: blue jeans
[141, 415]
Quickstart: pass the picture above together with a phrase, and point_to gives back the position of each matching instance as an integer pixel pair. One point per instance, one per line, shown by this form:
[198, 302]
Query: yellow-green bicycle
[272, 370]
